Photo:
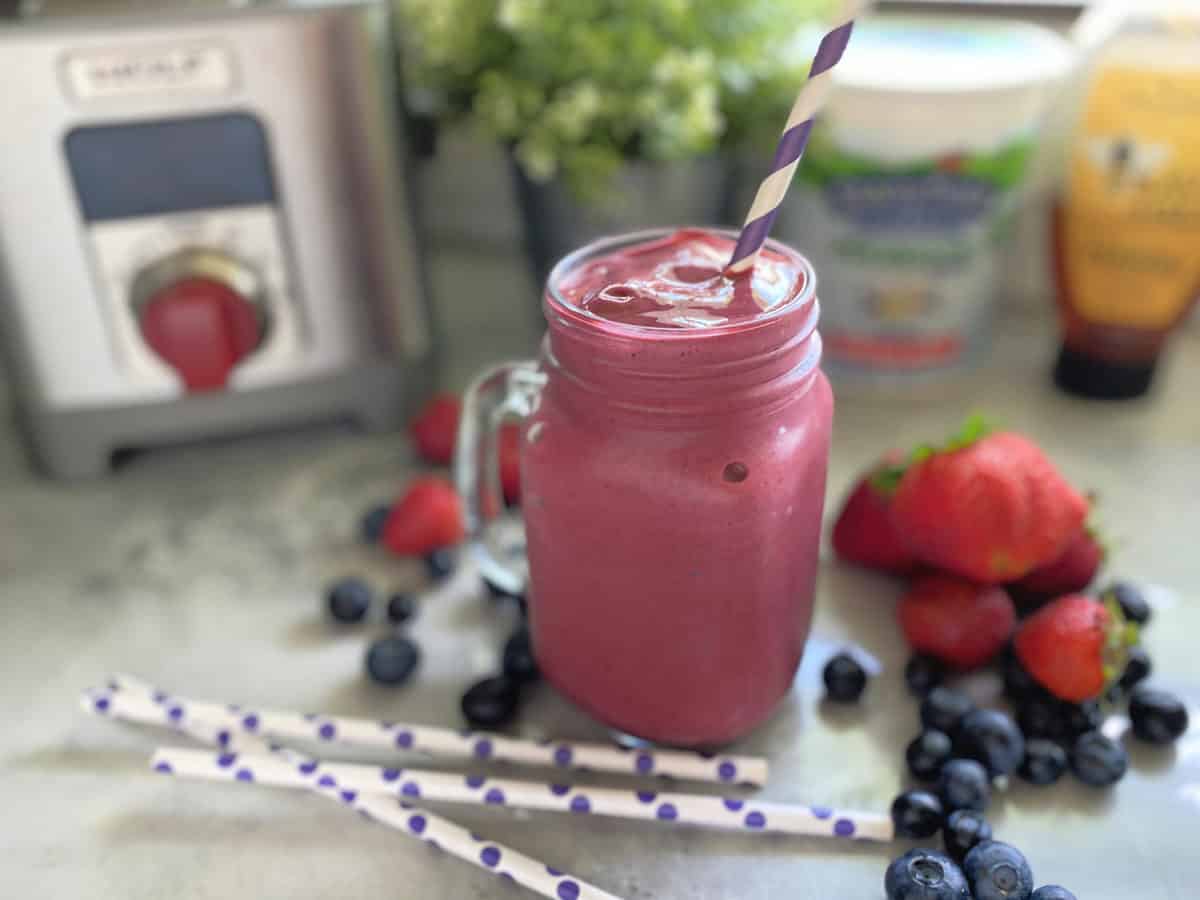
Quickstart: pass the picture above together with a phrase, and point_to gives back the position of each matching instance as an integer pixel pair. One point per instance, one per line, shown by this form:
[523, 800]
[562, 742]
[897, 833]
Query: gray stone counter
[201, 569]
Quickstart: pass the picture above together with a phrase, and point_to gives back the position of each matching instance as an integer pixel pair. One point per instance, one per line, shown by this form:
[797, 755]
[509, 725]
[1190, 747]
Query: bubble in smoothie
[678, 282]
[735, 472]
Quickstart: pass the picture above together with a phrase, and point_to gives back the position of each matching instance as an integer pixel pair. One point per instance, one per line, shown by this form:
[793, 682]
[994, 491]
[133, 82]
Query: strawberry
[951, 162]
[436, 427]
[427, 517]
[1074, 646]
[1071, 572]
[863, 533]
[958, 622]
[989, 506]
[509, 449]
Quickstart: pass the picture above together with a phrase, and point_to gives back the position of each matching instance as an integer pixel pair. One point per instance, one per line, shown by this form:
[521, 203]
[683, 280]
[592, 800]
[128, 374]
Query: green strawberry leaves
[1121, 635]
[974, 428]
[887, 478]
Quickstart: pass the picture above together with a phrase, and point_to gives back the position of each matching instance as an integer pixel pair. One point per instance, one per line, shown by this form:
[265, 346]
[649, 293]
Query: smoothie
[678, 282]
[673, 475]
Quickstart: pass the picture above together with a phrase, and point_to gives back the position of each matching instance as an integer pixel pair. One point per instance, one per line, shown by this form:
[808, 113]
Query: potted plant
[615, 113]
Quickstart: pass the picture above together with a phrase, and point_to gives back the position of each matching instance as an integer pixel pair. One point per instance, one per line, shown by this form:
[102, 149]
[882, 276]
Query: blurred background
[217, 217]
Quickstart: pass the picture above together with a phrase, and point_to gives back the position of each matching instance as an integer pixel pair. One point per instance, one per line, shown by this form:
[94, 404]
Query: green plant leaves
[576, 88]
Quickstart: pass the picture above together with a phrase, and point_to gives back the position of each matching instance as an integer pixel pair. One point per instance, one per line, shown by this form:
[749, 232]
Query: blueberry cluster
[962, 749]
[989, 870]
[393, 659]
[493, 701]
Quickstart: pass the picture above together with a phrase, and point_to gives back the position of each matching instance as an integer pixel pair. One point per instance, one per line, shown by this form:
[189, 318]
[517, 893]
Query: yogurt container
[910, 182]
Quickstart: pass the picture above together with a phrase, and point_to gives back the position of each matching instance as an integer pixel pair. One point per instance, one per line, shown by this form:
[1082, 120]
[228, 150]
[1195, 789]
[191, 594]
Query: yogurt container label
[913, 175]
[905, 251]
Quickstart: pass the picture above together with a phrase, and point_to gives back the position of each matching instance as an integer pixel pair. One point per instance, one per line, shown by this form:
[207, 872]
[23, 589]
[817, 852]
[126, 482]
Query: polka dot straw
[257, 762]
[794, 139]
[695, 810]
[275, 770]
[451, 744]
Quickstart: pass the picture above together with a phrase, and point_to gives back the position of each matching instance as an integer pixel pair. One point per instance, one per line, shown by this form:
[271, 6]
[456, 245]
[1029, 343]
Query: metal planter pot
[465, 192]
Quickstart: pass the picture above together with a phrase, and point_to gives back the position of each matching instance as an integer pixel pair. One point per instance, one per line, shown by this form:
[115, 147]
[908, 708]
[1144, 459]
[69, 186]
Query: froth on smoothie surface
[677, 282]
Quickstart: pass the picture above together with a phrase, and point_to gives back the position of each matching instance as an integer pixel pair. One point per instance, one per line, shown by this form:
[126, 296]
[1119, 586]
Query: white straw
[696, 810]
[434, 830]
[418, 823]
[448, 743]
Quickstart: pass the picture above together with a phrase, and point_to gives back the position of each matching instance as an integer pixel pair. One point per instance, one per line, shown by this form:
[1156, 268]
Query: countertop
[202, 568]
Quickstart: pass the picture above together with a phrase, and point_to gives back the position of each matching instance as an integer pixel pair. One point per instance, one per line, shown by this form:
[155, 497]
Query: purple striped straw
[795, 138]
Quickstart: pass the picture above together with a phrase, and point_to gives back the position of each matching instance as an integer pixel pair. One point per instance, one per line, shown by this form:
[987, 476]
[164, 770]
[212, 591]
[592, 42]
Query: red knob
[203, 328]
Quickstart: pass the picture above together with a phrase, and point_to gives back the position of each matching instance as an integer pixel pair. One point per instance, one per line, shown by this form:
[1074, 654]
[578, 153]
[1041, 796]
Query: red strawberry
[427, 517]
[509, 444]
[1074, 646]
[1071, 572]
[958, 622]
[863, 533]
[952, 162]
[435, 428]
[990, 507]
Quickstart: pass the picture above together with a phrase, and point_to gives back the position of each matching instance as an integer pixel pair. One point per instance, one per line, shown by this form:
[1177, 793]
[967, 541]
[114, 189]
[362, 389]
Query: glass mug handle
[508, 391]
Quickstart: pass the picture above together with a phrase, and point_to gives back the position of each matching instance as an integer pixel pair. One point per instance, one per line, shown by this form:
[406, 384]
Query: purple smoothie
[673, 479]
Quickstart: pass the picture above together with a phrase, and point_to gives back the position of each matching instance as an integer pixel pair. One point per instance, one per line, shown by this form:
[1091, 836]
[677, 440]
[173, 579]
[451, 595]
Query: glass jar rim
[609, 243]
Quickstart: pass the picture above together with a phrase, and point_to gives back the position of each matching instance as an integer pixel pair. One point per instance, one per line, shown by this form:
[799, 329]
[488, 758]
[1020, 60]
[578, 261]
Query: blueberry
[1044, 762]
[925, 875]
[371, 526]
[491, 702]
[844, 679]
[1081, 717]
[1042, 717]
[348, 599]
[927, 753]
[1137, 668]
[1018, 683]
[1157, 716]
[439, 563]
[1098, 760]
[1131, 600]
[964, 829]
[401, 607]
[1052, 892]
[964, 784]
[917, 814]
[998, 871]
[992, 738]
[923, 673]
[392, 660]
[519, 662]
[943, 708]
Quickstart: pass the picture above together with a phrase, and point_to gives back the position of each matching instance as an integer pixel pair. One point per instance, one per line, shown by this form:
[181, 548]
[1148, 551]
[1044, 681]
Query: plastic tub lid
[949, 55]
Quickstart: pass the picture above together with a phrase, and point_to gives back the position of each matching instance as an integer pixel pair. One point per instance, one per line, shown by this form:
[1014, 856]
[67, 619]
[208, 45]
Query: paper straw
[697, 810]
[700, 810]
[412, 821]
[796, 132]
[448, 743]
[434, 830]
